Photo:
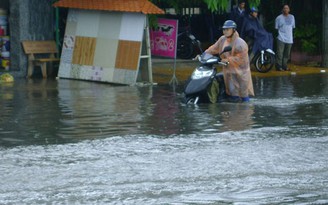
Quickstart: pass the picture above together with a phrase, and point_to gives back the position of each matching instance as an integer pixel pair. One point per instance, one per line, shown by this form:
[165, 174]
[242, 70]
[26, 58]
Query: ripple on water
[288, 102]
[259, 165]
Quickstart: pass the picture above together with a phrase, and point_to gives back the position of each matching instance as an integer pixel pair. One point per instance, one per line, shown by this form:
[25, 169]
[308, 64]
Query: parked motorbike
[197, 86]
[264, 60]
[187, 43]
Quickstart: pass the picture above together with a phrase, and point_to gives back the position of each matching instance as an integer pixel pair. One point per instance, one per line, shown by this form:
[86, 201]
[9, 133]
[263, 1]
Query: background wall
[4, 4]
[28, 20]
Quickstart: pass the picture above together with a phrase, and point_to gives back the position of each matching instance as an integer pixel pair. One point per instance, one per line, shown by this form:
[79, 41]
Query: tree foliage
[212, 5]
[217, 5]
[222, 5]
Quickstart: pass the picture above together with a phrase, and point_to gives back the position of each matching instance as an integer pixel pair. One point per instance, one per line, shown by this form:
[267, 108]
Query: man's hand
[225, 61]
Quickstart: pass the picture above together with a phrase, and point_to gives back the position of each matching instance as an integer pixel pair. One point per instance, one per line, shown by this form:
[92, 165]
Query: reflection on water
[237, 116]
[97, 110]
[75, 142]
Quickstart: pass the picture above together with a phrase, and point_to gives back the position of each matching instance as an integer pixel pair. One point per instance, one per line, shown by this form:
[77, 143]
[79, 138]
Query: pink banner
[163, 39]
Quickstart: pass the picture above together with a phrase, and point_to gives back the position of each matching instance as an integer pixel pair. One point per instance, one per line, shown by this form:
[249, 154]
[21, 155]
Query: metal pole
[174, 79]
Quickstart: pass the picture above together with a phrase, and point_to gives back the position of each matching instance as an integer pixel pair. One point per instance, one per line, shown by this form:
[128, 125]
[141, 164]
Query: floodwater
[76, 142]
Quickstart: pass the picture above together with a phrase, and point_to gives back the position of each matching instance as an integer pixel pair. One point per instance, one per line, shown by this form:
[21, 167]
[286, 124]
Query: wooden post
[146, 54]
[324, 34]
[150, 69]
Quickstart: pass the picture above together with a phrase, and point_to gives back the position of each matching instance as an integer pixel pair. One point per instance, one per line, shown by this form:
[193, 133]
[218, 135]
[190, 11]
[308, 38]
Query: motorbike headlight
[197, 74]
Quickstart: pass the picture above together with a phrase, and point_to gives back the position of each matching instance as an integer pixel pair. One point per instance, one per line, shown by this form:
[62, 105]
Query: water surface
[75, 142]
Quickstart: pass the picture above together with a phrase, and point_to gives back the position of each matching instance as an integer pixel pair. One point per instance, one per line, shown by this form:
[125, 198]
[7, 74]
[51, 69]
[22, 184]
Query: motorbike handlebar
[223, 63]
[199, 58]
[196, 58]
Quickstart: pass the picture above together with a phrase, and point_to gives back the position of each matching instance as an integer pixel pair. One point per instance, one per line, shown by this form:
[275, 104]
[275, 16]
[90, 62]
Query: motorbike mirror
[226, 49]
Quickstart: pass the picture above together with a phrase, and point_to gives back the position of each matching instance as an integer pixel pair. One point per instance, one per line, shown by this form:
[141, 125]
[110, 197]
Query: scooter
[264, 60]
[187, 43]
[202, 78]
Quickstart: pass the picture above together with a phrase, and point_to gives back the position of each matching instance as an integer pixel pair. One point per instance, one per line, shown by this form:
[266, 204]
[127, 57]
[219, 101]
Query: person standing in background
[238, 13]
[284, 23]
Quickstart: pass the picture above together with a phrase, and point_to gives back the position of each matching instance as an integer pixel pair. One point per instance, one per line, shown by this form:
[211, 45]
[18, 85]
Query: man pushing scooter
[237, 74]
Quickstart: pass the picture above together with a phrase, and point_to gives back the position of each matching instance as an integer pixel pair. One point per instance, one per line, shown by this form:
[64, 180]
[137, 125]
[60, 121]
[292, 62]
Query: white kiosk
[103, 40]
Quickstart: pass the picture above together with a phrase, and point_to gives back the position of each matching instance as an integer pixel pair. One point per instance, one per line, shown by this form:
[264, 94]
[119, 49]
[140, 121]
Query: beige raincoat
[237, 75]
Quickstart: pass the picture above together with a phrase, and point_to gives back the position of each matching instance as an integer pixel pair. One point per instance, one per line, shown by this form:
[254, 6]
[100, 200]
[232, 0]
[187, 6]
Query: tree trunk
[325, 33]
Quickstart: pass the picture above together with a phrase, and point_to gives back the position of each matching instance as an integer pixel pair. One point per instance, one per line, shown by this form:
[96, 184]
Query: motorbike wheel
[266, 65]
[185, 49]
[191, 100]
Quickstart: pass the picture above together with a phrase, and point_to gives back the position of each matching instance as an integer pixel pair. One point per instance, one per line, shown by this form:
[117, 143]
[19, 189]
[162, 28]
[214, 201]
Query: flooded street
[75, 142]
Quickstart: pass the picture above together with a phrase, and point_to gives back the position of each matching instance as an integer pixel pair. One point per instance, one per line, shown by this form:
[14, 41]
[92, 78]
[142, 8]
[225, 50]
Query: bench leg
[30, 69]
[44, 69]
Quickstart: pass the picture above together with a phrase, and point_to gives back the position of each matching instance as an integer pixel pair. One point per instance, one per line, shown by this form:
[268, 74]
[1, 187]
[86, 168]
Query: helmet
[229, 24]
[254, 9]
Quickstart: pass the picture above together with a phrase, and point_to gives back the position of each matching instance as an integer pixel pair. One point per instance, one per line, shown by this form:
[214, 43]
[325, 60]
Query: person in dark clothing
[238, 13]
[254, 34]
